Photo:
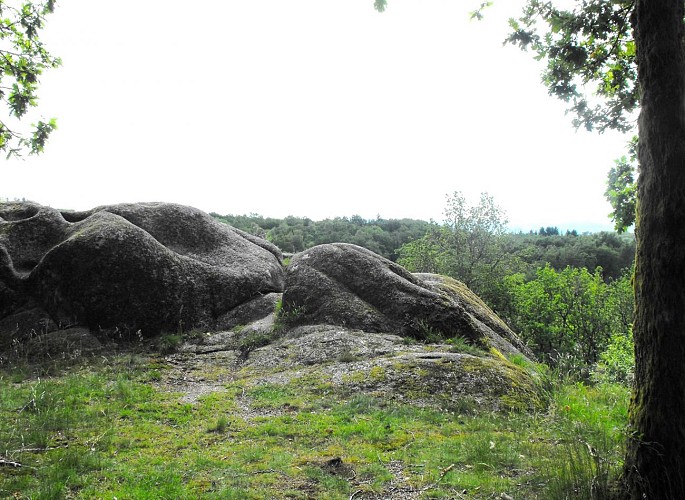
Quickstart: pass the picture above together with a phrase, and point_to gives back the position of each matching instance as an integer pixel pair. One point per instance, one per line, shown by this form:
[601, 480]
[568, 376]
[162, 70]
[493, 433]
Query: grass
[460, 344]
[103, 429]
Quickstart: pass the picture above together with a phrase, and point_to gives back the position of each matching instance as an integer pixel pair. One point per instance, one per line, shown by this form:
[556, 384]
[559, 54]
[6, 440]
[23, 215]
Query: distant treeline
[295, 234]
[610, 251]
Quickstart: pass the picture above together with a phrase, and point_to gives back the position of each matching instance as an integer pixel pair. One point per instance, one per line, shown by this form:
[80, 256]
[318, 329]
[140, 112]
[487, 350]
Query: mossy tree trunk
[655, 459]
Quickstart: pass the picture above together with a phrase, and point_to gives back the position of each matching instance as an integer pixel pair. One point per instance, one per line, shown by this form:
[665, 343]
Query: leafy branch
[589, 45]
[23, 58]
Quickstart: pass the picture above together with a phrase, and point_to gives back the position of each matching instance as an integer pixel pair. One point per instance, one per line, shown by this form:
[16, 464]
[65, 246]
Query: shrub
[253, 341]
[617, 362]
[571, 313]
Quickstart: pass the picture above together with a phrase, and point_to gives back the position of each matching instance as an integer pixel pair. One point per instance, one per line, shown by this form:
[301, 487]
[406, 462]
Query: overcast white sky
[316, 108]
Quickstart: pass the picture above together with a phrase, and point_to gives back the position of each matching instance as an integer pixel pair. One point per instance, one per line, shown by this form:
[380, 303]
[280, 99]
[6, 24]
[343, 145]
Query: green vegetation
[467, 246]
[169, 343]
[618, 47]
[421, 244]
[631, 53]
[103, 429]
[283, 317]
[570, 312]
[254, 340]
[460, 344]
[23, 60]
[568, 296]
[621, 189]
[617, 362]
[473, 247]
[295, 234]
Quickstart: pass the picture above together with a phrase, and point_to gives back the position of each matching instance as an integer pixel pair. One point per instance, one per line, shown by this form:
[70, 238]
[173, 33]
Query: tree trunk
[655, 459]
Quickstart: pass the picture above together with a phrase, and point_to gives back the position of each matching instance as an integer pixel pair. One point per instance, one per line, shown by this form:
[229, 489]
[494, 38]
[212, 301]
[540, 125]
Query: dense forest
[295, 234]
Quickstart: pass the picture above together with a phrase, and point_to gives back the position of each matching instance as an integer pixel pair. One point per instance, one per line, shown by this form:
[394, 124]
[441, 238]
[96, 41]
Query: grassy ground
[106, 428]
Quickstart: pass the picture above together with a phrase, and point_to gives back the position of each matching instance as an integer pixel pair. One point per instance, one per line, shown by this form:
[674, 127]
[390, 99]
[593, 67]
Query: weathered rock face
[346, 285]
[159, 267]
[151, 267]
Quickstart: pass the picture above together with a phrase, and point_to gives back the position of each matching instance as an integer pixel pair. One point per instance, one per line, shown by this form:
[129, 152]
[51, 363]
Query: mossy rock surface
[481, 318]
[351, 362]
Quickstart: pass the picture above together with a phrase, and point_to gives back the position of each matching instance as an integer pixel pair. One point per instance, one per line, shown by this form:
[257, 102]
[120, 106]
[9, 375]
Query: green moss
[495, 352]
[524, 394]
[315, 382]
[377, 373]
[454, 287]
[514, 387]
[403, 364]
[356, 377]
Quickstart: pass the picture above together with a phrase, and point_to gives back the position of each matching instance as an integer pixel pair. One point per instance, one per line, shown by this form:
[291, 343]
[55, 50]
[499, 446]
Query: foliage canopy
[572, 312]
[621, 189]
[589, 45]
[23, 58]
[295, 234]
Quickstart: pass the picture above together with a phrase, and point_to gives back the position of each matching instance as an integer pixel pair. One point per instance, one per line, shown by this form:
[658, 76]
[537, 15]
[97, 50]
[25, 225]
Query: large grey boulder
[346, 285]
[148, 267]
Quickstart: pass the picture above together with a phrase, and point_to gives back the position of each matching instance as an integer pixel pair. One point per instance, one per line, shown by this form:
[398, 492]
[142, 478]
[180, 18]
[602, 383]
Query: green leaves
[468, 246]
[570, 312]
[478, 13]
[590, 56]
[380, 5]
[23, 58]
[621, 189]
[585, 48]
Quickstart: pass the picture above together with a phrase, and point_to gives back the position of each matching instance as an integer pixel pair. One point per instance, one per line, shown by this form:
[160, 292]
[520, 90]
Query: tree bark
[655, 459]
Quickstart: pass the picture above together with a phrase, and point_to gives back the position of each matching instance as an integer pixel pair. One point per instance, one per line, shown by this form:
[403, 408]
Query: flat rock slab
[353, 361]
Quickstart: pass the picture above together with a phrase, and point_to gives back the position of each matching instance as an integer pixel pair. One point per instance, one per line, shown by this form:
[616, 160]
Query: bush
[617, 363]
[572, 312]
